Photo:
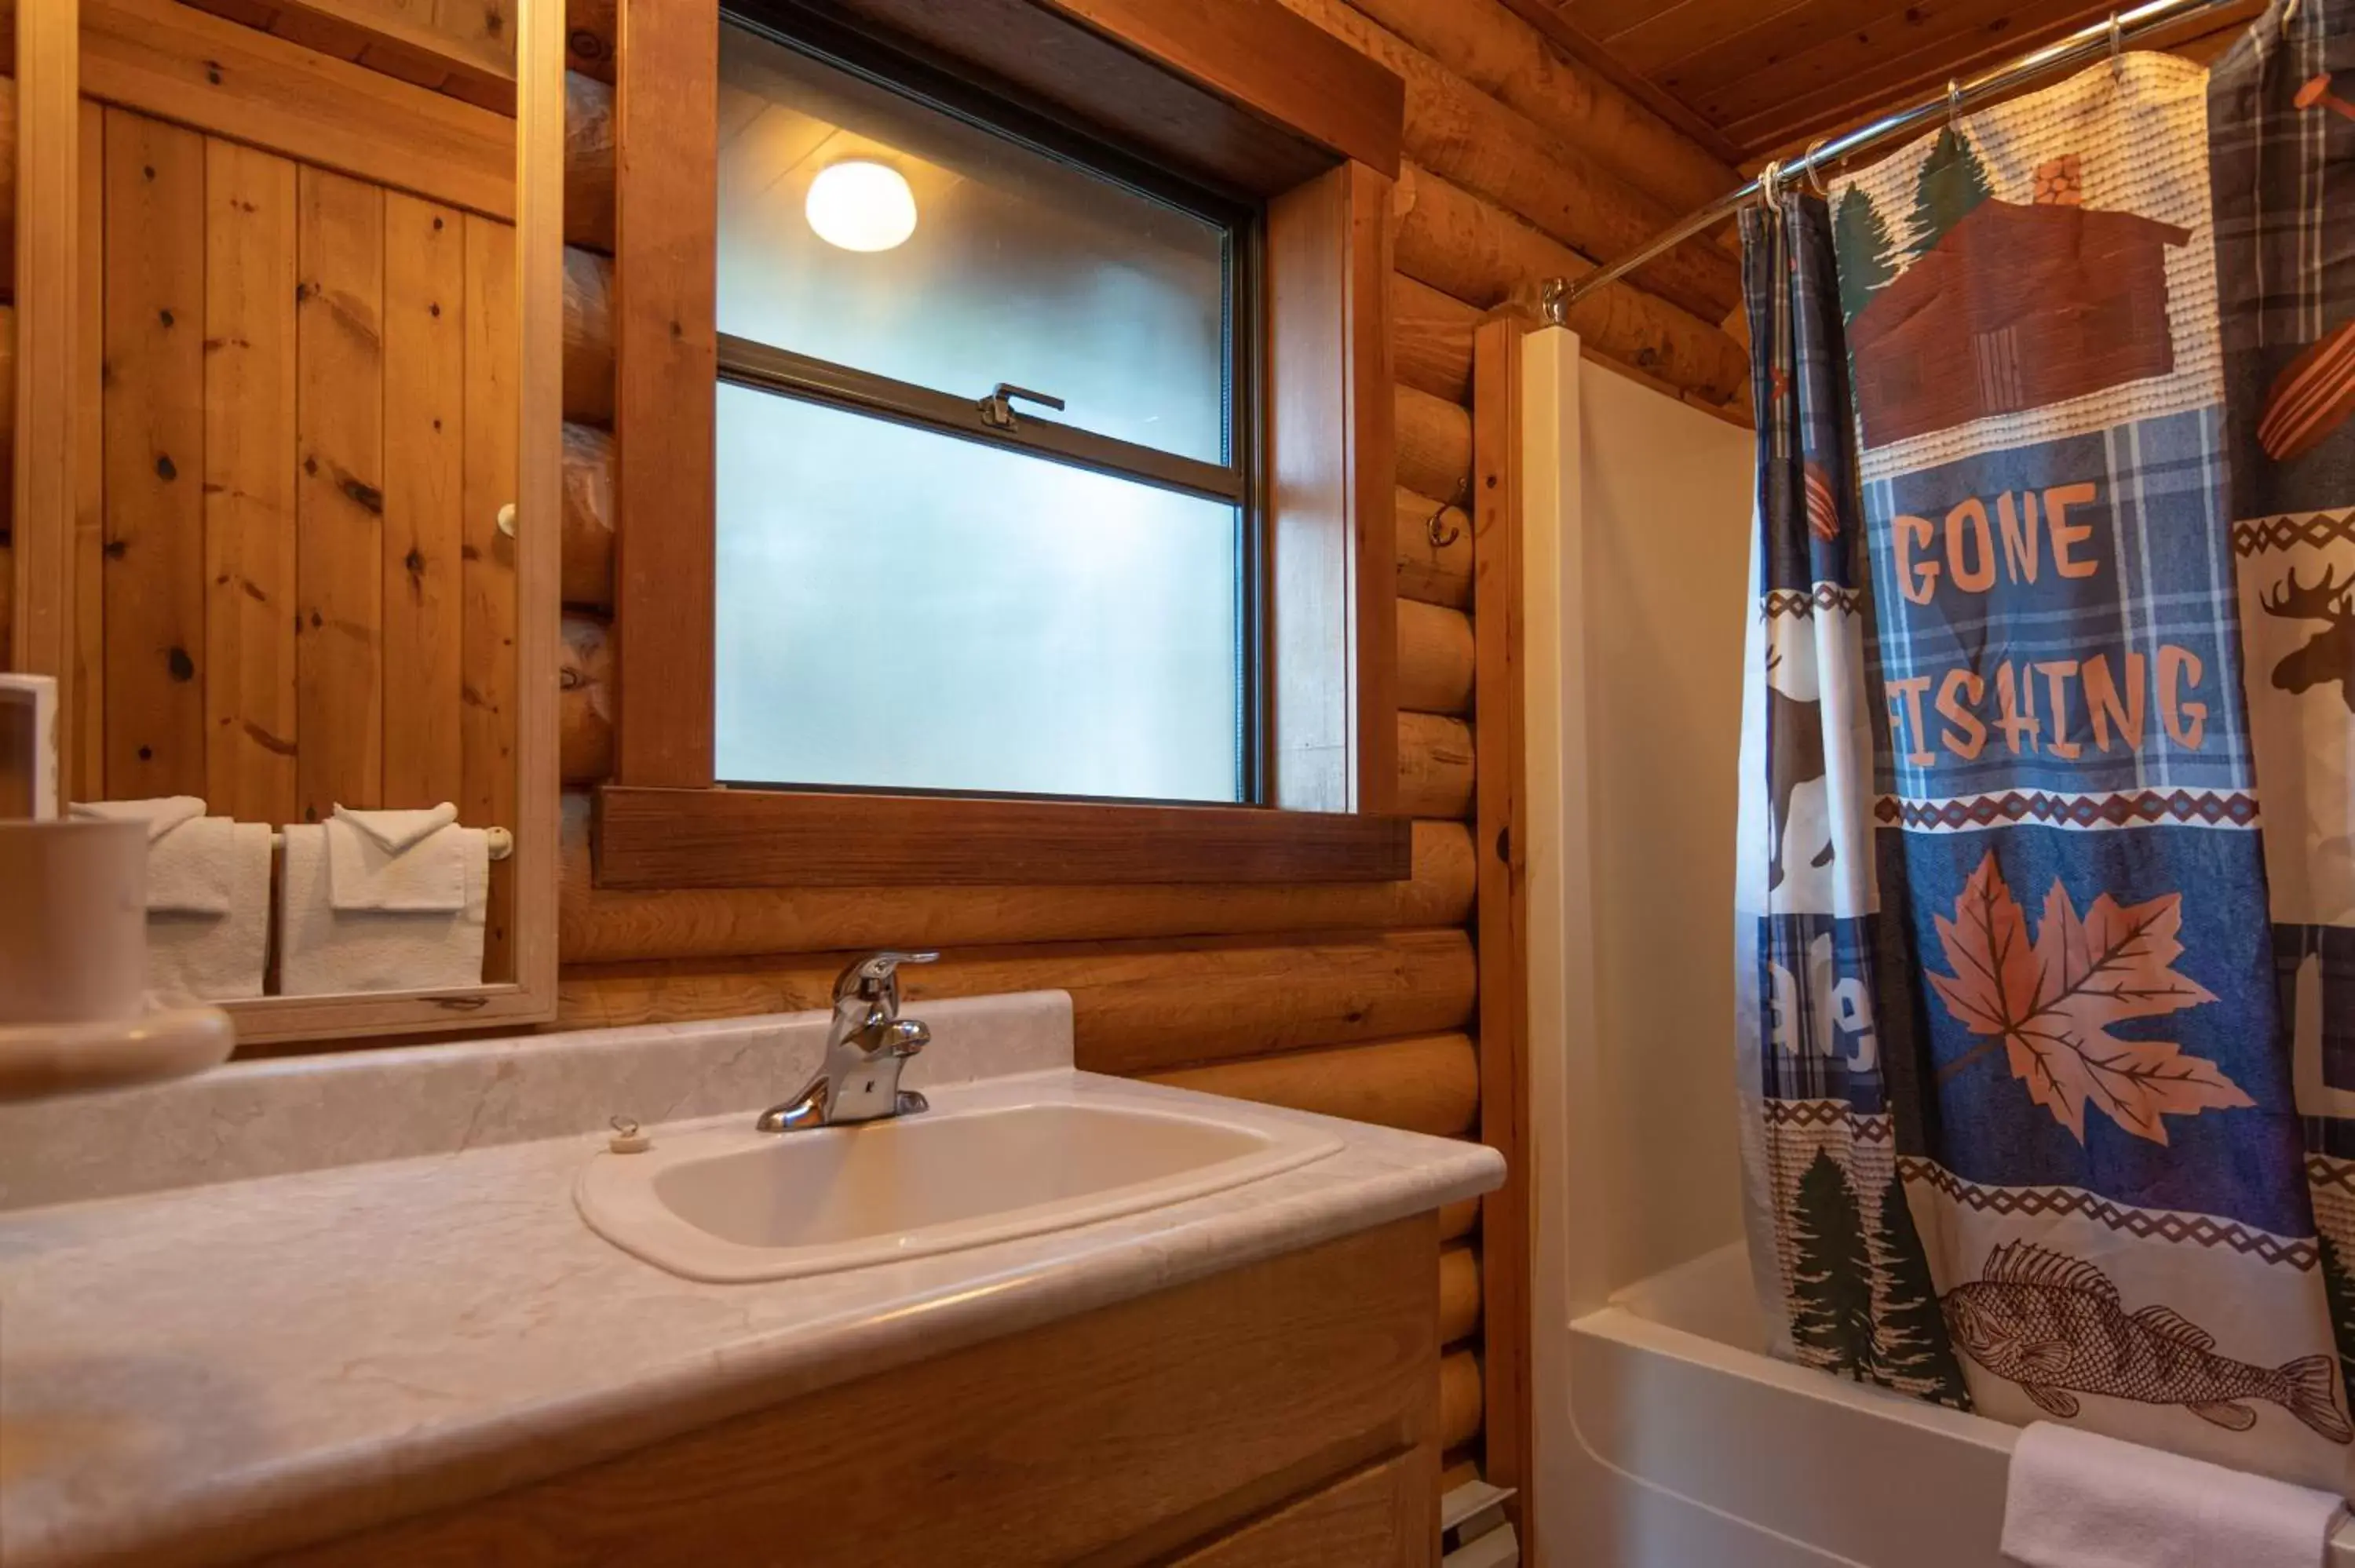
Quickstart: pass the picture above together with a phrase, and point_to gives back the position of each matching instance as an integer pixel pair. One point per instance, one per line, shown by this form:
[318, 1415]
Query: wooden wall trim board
[1498, 610]
[472, 43]
[601, 926]
[1233, 91]
[665, 381]
[1330, 521]
[538, 241]
[47, 269]
[1137, 1006]
[769, 838]
[178, 63]
[1256, 54]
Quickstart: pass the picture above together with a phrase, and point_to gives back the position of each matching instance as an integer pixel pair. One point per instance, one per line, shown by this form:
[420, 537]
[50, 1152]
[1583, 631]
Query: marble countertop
[196, 1374]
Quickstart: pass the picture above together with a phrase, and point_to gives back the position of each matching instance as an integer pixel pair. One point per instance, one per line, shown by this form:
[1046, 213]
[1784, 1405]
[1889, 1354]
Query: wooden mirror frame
[1244, 94]
[308, 116]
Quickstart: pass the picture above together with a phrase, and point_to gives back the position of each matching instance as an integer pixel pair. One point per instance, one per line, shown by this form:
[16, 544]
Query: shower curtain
[2019, 1122]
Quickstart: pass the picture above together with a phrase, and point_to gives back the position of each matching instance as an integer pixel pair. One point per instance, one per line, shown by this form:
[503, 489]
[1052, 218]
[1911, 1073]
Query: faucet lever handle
[876, 978]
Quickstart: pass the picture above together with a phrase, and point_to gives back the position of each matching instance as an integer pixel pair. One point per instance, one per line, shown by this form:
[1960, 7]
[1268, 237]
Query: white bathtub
[1691, 1448]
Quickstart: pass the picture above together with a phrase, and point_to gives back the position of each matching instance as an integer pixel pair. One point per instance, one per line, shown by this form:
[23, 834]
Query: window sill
[652, 839]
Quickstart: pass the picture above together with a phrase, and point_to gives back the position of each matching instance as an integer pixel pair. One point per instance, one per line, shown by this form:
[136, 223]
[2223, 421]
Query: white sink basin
[729, 1203]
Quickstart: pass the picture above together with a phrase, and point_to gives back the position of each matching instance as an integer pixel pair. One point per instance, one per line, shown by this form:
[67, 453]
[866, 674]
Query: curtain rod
[2085, 44]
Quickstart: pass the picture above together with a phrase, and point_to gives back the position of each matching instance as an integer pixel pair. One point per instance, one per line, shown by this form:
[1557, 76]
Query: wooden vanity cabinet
[1276, 1415]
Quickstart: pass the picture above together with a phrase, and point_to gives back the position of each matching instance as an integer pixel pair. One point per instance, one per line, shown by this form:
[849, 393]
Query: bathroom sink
[729, 1203]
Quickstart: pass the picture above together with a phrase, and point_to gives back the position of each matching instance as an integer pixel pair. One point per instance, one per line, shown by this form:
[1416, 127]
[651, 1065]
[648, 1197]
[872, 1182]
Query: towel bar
[501, 844]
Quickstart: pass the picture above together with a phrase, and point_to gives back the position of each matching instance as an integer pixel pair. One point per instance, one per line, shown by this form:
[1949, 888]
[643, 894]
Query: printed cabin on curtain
[2020, 1056]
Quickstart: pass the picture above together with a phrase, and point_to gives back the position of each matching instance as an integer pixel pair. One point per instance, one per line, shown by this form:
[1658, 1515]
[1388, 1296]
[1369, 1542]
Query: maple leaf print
[2050, 1003]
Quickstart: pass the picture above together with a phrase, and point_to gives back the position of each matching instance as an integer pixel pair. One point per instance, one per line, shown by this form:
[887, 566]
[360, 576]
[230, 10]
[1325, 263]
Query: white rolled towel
[323, 949]
[207, 898]
[189, 856]
[2078, 1500]
[413, 861]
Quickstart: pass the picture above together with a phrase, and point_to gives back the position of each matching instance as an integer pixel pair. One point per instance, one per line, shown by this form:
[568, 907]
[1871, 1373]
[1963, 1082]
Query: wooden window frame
[1243, 95]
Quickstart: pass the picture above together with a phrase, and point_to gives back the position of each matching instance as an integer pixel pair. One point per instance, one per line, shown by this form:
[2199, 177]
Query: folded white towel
[2077, 1500]
[396, 860]
[323, 949]
[197, 958]
[190, 857]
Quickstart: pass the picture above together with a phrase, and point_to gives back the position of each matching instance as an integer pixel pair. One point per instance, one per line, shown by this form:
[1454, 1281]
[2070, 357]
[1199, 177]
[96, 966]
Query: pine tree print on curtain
[2076, 1012]
[2282, 162]
[1838, 1257]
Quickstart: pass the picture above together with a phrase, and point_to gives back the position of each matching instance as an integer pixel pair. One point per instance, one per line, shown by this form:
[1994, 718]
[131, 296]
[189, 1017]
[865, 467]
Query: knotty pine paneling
[424, 525]
[153, 444]
[338, 493]
[296, 595]
[1767, 78]
[249, 409]
[488, 690]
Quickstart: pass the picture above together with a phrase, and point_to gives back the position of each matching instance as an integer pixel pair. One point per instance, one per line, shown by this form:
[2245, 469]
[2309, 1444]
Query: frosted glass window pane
[1021, 269]
[909, 611]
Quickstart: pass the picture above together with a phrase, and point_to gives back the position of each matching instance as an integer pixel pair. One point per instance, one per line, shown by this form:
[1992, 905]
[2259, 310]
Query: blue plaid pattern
[2162, 547]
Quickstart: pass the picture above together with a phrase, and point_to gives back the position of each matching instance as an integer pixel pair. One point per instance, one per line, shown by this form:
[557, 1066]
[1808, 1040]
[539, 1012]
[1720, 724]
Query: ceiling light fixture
[861, 205]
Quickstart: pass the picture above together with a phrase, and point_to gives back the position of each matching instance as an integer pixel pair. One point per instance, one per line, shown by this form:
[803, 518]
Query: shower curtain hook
[1770, 185]
[1815, 174]
[1954, 104]
[2118, 46]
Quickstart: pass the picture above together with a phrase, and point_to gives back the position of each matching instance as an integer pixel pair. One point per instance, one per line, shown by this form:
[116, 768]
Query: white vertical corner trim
[1565, 1262]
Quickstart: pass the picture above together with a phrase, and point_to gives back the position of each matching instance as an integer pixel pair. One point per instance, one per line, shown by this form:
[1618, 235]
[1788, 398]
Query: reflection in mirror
[296, 609]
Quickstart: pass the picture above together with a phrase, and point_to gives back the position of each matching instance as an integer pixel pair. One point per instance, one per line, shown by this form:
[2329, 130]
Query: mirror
[306, 594]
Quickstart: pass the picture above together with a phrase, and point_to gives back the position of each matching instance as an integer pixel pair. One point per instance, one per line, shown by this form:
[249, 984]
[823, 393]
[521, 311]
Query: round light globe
[861, 205]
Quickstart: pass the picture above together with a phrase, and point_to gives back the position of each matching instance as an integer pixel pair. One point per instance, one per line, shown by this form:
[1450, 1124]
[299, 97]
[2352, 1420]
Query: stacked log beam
[1476, 251]
[1511, 61]
[588, 161]
[1458, 131]
[1137, 1006]
[1435, 550]
[1434, 443]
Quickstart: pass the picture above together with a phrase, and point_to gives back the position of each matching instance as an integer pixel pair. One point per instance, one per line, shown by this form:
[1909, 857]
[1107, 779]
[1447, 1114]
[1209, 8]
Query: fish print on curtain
[2063, 1019]
[2281, 130]
[1840, 1269]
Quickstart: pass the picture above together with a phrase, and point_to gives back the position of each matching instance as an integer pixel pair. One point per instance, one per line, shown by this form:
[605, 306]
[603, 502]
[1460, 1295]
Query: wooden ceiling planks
[1765, 75]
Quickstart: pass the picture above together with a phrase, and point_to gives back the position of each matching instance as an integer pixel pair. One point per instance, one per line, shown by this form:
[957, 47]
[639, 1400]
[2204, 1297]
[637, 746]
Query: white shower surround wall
[1666, 1436]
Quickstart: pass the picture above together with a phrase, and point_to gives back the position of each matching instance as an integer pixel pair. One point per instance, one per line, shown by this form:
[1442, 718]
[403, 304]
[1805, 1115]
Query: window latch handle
[997, 408]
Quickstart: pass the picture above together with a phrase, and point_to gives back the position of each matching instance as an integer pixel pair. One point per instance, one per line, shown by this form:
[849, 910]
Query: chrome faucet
[866, 1046]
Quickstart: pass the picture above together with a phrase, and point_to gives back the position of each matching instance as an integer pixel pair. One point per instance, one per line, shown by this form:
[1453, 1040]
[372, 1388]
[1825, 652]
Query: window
[928, 577]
